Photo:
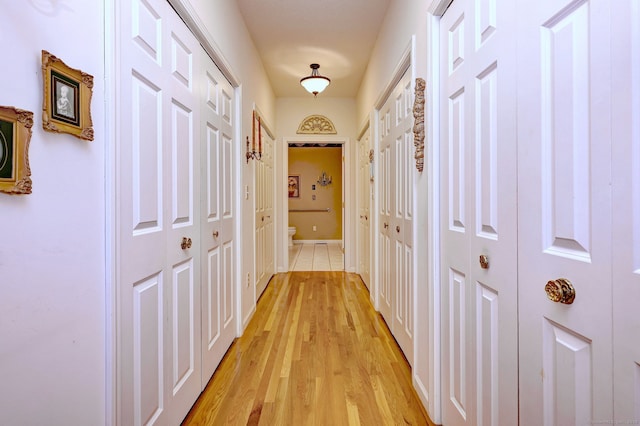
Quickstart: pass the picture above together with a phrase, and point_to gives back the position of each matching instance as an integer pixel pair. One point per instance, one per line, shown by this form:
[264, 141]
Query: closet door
[218, 217]
[395, 221]
[384, 214]
[157, 216]
[401, 225]
[625, 103]
[264, 184]
[364, 203]
[564, 194]
[478, 214]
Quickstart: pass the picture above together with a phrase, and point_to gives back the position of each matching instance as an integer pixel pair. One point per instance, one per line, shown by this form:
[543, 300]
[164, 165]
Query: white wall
[290, 113]
[52, 250]
[406, 19]
[54, 285]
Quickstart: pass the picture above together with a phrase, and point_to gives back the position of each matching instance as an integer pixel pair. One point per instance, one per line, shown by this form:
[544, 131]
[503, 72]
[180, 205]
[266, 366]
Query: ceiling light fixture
[315, 83]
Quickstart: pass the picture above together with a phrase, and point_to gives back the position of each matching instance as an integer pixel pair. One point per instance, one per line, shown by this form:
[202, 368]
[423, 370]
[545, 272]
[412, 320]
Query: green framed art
[15, 135]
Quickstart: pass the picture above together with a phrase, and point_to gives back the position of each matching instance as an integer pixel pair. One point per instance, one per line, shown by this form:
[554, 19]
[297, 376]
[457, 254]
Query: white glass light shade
[315, 83]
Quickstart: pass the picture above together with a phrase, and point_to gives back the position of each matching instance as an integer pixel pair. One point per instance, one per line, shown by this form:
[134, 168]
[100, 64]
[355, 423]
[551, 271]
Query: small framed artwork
[15, 135]
[66, 106]
[294, 186]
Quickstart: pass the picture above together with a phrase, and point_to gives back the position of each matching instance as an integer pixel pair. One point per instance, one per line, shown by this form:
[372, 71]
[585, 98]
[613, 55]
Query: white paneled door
[395, 222]
[625, 68]
[264, 190]
[564, 186]
[174, 215]
[385, 296]
[217, 219]
[478, 227]
[364, 207]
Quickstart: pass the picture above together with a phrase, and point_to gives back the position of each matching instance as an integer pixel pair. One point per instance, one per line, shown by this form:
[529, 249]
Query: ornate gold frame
[73, 116]
[21, 122]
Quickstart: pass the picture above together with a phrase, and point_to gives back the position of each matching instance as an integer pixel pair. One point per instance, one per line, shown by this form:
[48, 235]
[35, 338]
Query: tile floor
[316, 257]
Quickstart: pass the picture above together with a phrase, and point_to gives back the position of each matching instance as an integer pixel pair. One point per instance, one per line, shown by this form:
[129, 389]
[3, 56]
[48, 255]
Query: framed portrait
[15, 135]
[66, 106]
[294, 186]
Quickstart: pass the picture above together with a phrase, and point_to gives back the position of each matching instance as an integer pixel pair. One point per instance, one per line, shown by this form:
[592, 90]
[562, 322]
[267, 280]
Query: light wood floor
[315, 353]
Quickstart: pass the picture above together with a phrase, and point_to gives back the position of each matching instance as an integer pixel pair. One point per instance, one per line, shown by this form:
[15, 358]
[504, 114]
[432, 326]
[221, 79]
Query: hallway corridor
[315, 353]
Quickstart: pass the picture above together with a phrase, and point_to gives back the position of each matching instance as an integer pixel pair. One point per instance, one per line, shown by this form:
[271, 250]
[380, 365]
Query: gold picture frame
[66, 106]
[15, 135]
[293, 186]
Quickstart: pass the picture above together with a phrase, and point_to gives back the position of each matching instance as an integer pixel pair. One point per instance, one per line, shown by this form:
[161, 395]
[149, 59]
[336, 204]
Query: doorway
[348, 193]
[315, 199]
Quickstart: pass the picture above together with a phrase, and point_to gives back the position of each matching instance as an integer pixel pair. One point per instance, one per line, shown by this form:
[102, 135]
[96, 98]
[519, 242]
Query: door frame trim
[282, 208]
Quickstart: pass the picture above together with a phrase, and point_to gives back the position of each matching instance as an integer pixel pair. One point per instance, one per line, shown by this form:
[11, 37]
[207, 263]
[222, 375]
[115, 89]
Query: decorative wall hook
[252, 154]
[418, 126]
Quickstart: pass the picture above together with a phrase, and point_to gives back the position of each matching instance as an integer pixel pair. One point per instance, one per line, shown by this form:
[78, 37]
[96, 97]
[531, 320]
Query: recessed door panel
[147, 156]
[148, 350]
[456, 162]
[567, 364]
[457, 342]
[181, 62]
[564, 194]
[184, 340]
[565, 134]
[212, 298]
[182, 167]
[212, 168]
[146, 29]
[487, 145]
[487, 354]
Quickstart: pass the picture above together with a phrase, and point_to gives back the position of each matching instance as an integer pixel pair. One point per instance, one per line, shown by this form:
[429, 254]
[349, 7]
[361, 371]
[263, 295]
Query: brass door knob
[186, 243]
[484, 261]
[215, 234]
[560, 290]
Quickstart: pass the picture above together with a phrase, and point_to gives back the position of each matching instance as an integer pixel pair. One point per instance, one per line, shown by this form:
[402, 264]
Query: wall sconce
[252, 154]
[324, 180]
[315, 83]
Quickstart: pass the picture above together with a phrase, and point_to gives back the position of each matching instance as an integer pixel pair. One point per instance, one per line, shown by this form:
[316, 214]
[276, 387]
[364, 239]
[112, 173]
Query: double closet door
[536, 125]
[174, 223]
[265, 233]
[364, 207]
[478, 213]
[395, 216]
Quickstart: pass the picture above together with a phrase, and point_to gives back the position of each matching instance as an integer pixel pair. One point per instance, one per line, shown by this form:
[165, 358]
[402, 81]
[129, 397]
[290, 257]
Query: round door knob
[186, 243]
[215, 234]
[397, 228]
[560, 290]
[484, 261]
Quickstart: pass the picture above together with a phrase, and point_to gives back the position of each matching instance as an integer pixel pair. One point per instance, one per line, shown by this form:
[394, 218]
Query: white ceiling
[337, 34]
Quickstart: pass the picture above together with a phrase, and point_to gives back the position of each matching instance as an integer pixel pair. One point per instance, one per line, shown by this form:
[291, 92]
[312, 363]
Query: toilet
[292, 231]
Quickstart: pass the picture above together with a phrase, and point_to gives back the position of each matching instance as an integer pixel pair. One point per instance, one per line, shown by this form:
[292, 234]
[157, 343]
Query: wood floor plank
[314, 353]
